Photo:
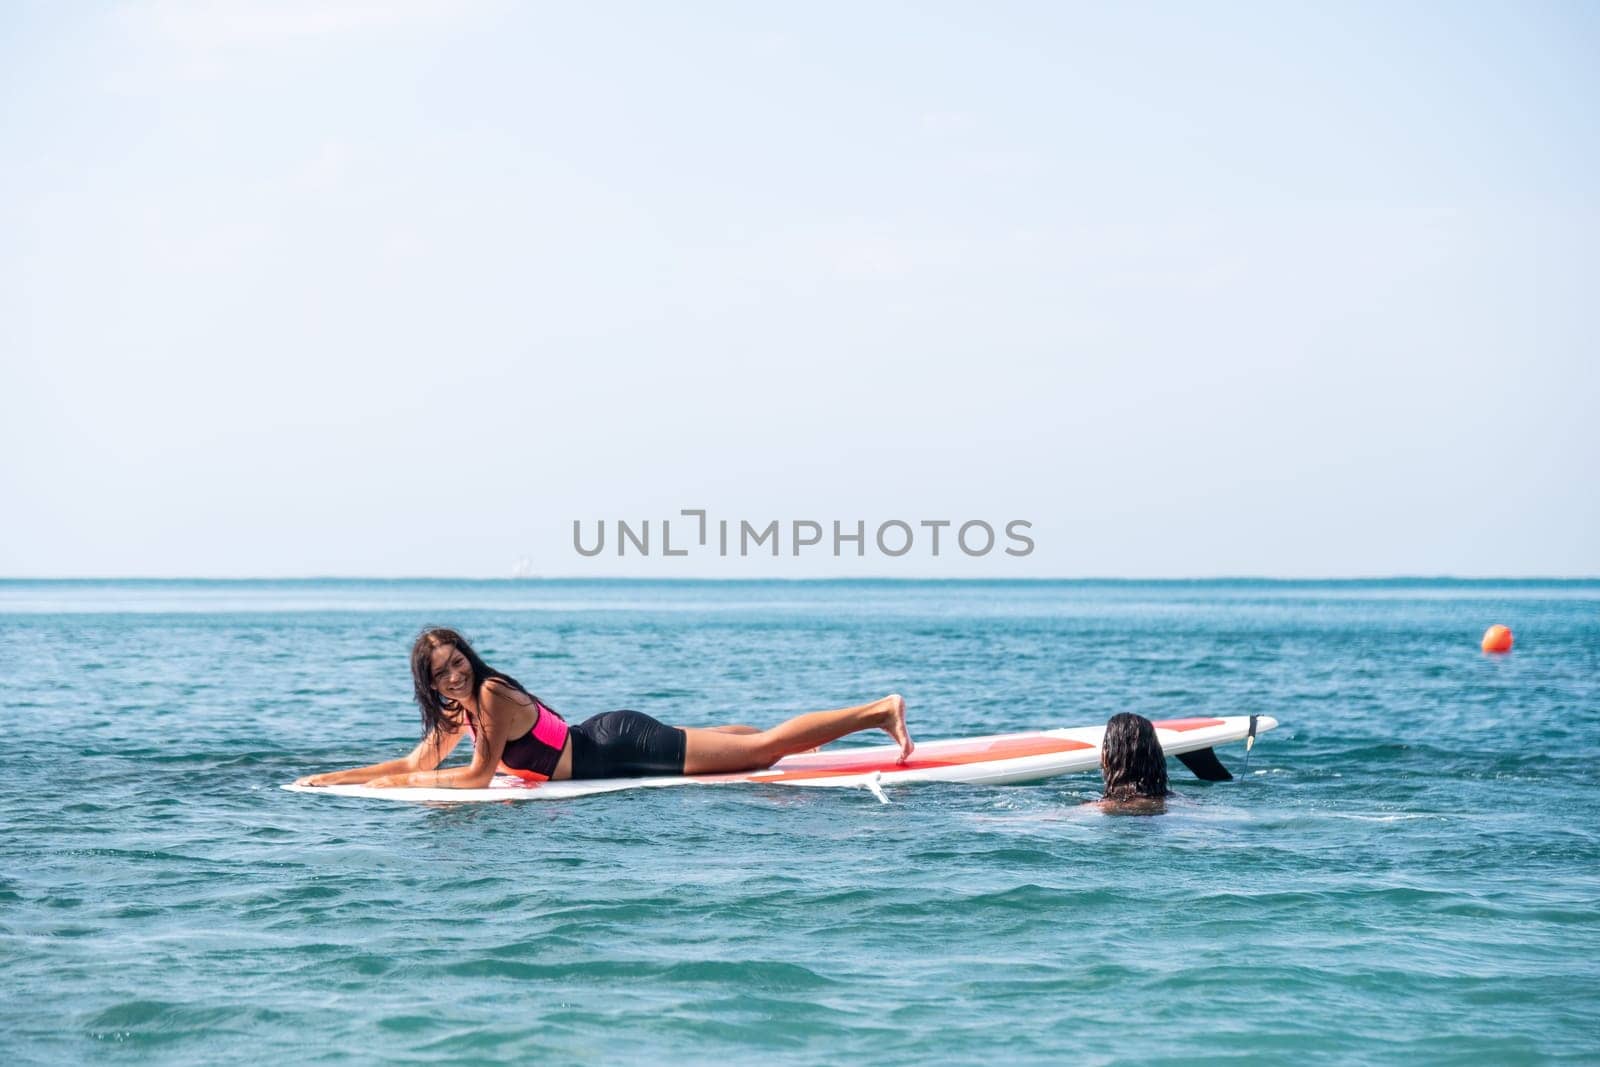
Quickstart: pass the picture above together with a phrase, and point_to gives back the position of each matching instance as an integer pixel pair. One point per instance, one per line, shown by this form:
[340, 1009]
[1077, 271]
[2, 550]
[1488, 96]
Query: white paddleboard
[1001, 759]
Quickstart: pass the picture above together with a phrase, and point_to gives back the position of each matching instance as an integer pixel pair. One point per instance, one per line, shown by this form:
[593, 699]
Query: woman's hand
[314, 779]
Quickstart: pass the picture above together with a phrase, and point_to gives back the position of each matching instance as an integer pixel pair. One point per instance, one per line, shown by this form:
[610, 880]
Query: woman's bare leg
[719, 752]
[737, 728]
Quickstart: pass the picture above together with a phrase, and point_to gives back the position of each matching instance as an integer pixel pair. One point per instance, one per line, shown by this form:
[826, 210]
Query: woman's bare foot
[895, 724]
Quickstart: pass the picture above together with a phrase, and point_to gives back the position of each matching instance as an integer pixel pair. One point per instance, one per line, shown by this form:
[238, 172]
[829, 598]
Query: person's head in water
[1131, 760]
[444, 672]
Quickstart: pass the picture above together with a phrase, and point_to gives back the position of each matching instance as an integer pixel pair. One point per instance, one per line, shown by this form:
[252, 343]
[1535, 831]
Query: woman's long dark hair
[440, 711]
[1131, 760]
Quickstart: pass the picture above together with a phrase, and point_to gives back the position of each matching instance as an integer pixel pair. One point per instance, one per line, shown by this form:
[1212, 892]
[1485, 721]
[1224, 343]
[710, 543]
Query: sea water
[1408, 871]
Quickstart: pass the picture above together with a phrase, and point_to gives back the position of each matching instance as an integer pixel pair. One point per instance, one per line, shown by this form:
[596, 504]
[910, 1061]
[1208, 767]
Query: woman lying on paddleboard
[516, 732]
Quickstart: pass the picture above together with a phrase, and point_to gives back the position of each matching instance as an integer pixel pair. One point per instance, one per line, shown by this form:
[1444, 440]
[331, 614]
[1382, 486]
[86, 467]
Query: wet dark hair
[1131, 760]
[440, 711]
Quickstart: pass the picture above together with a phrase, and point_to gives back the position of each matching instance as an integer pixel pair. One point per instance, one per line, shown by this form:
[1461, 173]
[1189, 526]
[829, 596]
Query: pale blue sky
[405, 288]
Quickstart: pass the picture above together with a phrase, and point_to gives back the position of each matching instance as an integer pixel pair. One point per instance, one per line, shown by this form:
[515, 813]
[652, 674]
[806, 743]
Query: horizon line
[536, 578]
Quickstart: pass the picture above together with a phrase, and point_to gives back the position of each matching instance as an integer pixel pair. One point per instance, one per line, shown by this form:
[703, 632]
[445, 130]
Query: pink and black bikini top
[534, 755]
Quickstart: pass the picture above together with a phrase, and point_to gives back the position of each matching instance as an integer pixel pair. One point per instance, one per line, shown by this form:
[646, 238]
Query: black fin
[1206, 766]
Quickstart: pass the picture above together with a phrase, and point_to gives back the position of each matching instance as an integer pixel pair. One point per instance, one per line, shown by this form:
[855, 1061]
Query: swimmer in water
[514, 732]
[1133, 767]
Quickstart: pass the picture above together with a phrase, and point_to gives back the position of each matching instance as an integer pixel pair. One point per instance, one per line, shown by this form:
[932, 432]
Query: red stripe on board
[844, 763]
[1181, 725]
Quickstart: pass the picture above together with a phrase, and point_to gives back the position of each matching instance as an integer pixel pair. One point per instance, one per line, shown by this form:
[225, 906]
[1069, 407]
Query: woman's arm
[428, 754]
[468, 777]
[499, 710]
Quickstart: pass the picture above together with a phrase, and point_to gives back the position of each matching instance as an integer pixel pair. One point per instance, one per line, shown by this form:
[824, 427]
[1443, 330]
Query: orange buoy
[1497, 638]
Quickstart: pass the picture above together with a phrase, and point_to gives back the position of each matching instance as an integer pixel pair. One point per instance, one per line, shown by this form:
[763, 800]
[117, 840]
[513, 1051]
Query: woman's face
[452, 674]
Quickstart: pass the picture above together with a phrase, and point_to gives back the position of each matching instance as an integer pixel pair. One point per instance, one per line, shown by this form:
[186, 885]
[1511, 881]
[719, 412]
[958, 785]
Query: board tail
[1205, 765]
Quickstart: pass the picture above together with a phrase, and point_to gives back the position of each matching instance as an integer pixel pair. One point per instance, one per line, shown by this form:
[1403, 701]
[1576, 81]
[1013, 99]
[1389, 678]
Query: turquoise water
[1410, 869]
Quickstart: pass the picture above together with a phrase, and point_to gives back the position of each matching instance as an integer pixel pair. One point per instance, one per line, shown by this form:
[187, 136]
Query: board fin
[1205, 765]
[875, 785]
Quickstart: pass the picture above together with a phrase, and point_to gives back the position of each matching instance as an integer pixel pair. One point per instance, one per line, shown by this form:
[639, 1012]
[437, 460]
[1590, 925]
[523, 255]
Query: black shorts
[625, 744]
